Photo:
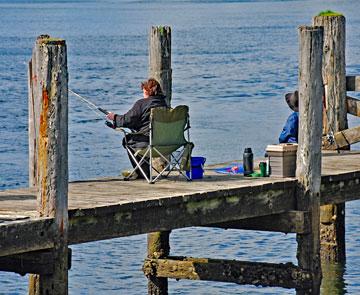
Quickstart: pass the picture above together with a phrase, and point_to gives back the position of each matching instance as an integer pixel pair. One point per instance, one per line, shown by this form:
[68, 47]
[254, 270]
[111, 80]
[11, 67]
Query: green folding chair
[166, 141]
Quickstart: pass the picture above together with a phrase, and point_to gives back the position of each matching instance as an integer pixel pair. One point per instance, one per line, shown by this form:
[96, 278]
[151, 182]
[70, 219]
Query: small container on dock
[282, 159]
[197, 168]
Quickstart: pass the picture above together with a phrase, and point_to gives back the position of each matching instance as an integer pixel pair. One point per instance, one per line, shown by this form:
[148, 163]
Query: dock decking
[108, 208]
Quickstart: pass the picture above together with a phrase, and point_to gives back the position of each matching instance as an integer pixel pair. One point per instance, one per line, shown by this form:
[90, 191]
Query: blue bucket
[197, 167]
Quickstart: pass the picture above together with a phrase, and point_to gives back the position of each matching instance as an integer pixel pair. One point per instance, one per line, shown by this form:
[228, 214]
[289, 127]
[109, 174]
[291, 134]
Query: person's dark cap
[292, 99]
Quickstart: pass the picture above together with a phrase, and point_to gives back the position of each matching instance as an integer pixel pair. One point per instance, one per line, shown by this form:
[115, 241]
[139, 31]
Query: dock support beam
[49, 94]
[308, 169]
[160, 59]
[231, 271]
[332, 226]
[158, 247]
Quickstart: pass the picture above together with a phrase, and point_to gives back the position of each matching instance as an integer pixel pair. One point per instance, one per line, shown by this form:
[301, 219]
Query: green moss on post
[329, 13]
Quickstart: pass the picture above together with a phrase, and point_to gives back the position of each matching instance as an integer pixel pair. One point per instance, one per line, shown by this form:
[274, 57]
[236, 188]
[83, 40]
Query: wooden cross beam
[353, 83]
[342, 139]
[353, 106]
[287, 222]
[240, 272]
[37, 262]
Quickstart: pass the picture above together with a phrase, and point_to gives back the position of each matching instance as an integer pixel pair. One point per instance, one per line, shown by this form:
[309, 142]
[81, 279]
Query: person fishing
[289, 134]
[138, 119]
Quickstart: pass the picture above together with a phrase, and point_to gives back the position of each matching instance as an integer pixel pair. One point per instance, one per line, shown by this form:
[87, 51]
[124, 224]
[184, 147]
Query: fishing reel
[110, 124]
[330, 138]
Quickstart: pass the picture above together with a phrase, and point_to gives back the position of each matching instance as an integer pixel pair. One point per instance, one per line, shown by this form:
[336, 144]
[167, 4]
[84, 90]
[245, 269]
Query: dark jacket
[290, 130]
[138, 117]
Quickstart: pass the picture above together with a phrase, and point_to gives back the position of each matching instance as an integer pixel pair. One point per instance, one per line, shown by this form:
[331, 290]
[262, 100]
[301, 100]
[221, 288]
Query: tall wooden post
[49, 91]
[160, 69]
[332, 227]
[160, 58]
[308, 169]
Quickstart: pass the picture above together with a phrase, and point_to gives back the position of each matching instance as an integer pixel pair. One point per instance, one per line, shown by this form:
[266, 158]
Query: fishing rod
[94, 108]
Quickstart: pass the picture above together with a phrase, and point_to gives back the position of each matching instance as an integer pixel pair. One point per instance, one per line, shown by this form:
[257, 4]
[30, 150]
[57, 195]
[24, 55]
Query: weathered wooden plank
[195, 210]
[308, 164]
[30, 262]
[143, 217]
[7, 217]
[25, 236]
[104, 192]
[342, 139]
[38, 262]
[288, 222]
[340, 188]
[239, 272]
[353, 83]
[353, 106]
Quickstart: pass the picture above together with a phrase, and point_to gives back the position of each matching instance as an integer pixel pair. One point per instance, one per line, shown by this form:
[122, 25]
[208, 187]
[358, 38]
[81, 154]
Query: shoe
[126, 174]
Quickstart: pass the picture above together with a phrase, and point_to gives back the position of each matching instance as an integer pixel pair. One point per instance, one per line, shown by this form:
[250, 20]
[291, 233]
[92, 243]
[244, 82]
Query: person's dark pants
[136, 141]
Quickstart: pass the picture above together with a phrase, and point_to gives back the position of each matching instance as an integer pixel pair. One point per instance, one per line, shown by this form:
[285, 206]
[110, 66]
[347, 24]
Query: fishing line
[90, 104]
[96, 109]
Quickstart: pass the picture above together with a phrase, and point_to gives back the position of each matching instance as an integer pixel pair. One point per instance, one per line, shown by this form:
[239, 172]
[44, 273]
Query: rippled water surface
[232, 62]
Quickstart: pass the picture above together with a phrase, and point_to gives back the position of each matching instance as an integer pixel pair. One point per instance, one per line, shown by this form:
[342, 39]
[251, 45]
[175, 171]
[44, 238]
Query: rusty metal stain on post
[42, 158]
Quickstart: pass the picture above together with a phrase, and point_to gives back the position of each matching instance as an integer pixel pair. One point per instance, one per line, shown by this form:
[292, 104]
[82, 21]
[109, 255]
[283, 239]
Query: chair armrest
[125, 131]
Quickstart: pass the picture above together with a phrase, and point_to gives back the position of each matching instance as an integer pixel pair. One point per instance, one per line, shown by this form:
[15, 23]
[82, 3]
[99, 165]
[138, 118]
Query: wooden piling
[49, 94]
[332, 226]
[158, 247]
[308, 169]
[160, 69]
[160, 58]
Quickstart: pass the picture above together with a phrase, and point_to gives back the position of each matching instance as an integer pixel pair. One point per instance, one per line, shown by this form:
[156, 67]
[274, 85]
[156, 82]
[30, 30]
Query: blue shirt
[290, 130]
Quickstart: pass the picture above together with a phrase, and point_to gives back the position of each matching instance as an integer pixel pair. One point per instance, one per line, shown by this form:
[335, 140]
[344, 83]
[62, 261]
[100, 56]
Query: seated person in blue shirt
[289, 134]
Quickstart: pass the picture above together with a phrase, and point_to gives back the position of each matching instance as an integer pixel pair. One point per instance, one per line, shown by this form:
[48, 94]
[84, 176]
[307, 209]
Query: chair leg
[175, 167]
[150, 165]
[138, 164]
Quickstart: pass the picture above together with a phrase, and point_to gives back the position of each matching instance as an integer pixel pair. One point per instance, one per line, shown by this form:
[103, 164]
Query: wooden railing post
[49, 92]
[160, 58]
[332, 226]
[308, 169]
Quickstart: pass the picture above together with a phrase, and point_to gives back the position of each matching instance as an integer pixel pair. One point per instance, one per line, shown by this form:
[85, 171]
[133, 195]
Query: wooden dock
[38, 223]
[110, 207]
[138, 208]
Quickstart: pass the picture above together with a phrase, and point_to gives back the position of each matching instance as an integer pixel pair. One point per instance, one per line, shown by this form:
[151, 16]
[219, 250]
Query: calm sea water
[232, 63]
